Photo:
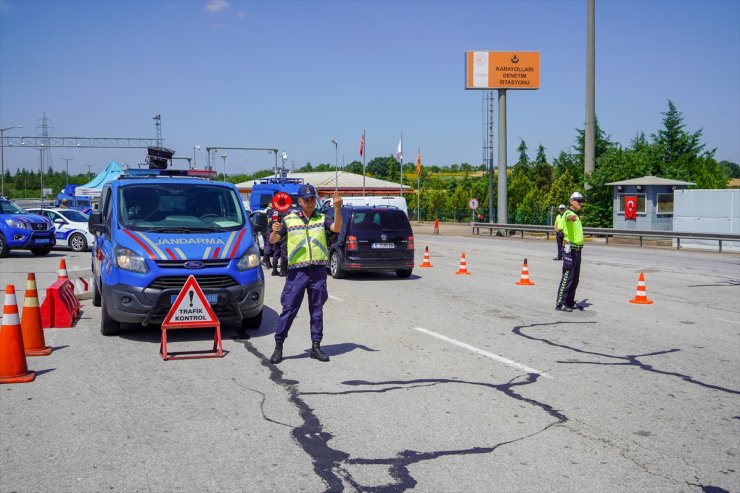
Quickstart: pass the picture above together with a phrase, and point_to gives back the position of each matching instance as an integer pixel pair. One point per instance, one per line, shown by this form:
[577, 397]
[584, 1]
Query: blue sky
[296, 74]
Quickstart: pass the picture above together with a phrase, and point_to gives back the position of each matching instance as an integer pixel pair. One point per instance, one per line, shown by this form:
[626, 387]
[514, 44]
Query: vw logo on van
[383, 237]
[194, 264]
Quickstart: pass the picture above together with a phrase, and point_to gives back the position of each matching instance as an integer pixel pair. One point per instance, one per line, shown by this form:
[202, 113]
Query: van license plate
[211, 297]
[42, 241]
[383, 245]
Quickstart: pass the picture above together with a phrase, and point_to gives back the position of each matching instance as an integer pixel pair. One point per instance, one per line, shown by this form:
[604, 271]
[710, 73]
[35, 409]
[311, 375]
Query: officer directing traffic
[308, 256]
[572, 246]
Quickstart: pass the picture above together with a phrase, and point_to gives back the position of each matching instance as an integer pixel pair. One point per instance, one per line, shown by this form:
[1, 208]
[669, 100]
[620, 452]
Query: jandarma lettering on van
[190, 241]
[514, 69]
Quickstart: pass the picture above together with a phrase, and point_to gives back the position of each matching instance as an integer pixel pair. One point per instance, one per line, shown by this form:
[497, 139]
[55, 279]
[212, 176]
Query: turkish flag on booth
[630, 207]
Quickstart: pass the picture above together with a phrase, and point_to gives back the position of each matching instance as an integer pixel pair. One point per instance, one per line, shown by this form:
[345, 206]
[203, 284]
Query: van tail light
[351, 243]
[410, 243]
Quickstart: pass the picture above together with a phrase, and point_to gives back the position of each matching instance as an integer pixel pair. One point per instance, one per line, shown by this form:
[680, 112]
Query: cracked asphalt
[635, 398]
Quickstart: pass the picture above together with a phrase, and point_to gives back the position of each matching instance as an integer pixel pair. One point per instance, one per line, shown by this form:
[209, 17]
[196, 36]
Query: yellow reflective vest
[306, 241]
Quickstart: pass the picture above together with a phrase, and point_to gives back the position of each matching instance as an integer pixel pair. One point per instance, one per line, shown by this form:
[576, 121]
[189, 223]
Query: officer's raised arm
[336, 226]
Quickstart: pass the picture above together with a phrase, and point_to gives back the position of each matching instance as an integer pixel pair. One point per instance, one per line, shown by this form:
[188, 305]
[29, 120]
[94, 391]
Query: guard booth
[645, 204]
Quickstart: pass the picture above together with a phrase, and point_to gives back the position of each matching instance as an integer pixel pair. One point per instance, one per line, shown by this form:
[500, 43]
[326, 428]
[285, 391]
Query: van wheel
[252, 323]
[3, 247]
[108, 326]
[404, 274]
[78, 243]
[335, 269]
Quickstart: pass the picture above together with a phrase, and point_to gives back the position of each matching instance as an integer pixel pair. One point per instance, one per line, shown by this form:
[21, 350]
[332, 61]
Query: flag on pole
[418, 163]
[362, 143]
[399, 150]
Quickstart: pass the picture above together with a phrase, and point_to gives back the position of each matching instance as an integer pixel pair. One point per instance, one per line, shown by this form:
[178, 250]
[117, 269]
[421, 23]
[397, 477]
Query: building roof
[324, 180]
[651, 180]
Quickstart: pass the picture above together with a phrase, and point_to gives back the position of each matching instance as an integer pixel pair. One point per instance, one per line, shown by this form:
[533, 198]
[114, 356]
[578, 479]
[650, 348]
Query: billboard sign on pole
[502, 70]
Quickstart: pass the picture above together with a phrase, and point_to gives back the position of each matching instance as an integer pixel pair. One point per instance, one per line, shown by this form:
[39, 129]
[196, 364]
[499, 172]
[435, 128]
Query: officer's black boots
[275, 269]
[266, 262]
[277, 355]
[317, 353]
[283, 266]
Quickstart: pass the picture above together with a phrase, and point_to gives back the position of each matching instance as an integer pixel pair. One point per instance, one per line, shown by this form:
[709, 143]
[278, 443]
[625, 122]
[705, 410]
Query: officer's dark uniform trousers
[571, 274]
[313, 280]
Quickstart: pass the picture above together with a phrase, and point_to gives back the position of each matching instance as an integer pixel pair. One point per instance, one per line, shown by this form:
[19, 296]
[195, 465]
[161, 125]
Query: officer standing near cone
[308, 255]
[558, 227]
[572, 246]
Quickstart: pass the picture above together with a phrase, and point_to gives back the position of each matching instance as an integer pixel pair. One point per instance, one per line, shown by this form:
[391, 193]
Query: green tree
[541, 174]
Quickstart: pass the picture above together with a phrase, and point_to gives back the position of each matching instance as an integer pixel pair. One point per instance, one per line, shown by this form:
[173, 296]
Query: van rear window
[391, 219]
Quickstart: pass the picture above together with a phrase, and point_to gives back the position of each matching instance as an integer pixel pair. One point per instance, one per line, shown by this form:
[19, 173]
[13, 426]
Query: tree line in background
[535, 187]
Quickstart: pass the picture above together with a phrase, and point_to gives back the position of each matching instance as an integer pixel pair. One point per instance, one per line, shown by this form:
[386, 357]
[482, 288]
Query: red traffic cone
[524, 280]
[463, 269]
[641, 295]
[13, 367]
[426, 262]
[33, 333]
[62, 272]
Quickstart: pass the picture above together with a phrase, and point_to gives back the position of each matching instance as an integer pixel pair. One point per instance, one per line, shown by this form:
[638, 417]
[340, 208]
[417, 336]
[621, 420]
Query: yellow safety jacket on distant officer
[559, 222]
[573, 229]
[306, 242]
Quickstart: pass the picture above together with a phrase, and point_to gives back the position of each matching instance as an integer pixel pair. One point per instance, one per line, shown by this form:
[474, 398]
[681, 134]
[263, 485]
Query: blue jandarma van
[157, 227]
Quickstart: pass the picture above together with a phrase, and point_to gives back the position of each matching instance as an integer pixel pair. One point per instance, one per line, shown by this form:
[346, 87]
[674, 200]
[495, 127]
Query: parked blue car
[20, 230]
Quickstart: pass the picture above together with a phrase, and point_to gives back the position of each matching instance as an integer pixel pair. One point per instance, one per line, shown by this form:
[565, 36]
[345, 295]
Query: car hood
[26, 218]
[187, 246]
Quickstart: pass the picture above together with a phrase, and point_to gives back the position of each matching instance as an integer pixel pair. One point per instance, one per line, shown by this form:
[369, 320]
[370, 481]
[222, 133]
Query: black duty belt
[576, 247]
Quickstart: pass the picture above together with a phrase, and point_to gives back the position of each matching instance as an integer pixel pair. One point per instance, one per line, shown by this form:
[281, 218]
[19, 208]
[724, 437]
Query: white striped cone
[426, 262]
[641, 294]
[524, 280]
[463, 269]
[62, 272]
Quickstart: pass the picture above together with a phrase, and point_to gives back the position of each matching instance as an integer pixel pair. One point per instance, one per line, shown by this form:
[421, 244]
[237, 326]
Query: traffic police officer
[573, 244]
[267, 254]
[308, 256]
[558, 227]
[280, 254]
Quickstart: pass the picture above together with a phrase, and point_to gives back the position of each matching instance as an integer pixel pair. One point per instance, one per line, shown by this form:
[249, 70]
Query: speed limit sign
[473, 204]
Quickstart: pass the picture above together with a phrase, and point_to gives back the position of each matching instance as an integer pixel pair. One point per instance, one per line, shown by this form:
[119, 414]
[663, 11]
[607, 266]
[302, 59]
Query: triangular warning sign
[191, 309]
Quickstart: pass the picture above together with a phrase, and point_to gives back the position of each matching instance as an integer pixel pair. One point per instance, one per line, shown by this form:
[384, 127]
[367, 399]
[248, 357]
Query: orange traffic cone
[62, 272]
[524, 280]
[426, 262]
[13, 367]
[436, 227]
[33, 333]
[463, 266]
[641, 295]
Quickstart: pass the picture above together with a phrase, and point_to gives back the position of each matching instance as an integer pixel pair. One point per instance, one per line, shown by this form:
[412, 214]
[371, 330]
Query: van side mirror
[259, 221]
[95, 223]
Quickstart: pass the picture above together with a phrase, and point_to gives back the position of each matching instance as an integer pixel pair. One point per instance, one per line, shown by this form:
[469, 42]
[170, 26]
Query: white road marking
[725, 320]
[335, 298]
[476, 350]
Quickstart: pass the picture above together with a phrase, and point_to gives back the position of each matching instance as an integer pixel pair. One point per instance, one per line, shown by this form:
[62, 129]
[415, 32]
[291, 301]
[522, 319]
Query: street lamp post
[67, 160]
[336, 169]
[195, 148]
[2, 162]
[224, 156]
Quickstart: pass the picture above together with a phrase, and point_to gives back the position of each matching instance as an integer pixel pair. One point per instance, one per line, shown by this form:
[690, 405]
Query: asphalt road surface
[437, 383]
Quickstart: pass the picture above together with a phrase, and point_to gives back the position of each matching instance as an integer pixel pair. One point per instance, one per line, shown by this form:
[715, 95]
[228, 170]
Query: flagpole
[364, 153]
[400, 162]
[418, 188]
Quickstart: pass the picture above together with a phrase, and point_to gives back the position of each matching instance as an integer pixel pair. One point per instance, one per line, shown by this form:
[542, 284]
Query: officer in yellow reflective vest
[573, 244]
[558, 227]
[308, 255]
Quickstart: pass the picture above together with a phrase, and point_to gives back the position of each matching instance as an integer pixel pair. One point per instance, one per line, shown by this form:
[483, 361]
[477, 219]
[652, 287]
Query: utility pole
[67, 160]
[589, 154]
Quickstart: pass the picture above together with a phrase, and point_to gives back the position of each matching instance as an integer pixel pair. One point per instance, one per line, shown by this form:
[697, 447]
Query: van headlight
[127, 259]
[250, 259]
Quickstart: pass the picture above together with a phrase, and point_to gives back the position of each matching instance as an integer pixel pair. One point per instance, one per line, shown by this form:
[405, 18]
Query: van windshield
[179, 206]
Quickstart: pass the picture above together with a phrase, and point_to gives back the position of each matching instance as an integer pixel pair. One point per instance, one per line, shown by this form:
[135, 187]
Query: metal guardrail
[607, 233]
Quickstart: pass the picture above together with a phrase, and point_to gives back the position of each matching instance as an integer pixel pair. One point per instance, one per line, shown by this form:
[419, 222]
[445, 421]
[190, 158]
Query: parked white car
[71, 226]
